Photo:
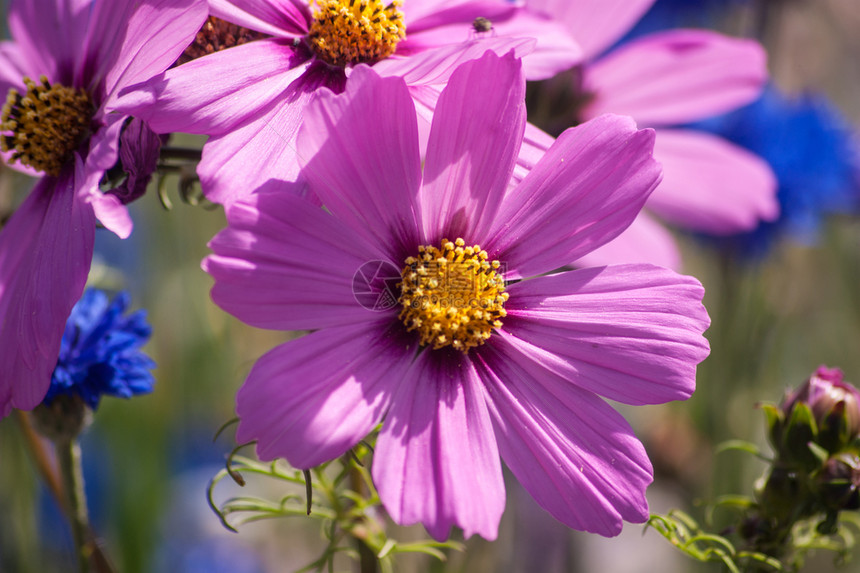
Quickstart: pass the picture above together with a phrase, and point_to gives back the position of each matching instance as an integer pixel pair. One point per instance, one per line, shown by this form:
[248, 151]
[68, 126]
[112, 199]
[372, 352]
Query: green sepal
[819, 452]
[775, 422]
[800, 431]
[783, 490]
[834, 432]
[741, 446]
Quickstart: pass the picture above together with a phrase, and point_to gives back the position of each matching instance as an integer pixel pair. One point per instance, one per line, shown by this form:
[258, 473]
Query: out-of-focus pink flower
[470, 351]
[670, 78]
[58, 123]
[250, 99]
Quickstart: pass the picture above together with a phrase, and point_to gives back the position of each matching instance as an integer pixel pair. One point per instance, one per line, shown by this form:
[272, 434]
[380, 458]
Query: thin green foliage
[339, 494]
[682, 531]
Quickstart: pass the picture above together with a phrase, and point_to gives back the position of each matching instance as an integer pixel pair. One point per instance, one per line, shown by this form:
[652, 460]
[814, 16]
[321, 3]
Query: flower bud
[839, 481]
[834, 406]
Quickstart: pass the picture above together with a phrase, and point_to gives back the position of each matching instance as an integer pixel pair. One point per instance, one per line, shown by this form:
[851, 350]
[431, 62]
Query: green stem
[182, 153]
[368, 563]
[71, 474]
[48, 471]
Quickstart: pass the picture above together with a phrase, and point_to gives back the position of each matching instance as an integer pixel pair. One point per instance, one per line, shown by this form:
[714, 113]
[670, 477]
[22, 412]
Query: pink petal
[102, 155]
[156, 35]
[103, 28]
[227, 171]
[535, 145]
[284, 263]
[572, 452]
[139, 151]
[111, 213]
[425, 99]
[676, 77]
[631, 333]
[436, 460]
[588, 188]
[360, 156]
[45, 254]
[46, 32]
[435, 66]
[469, 163]
[414, 12]
[107, 208]
[104, 144]
[312, 399]
[596, 24]
[217, 93]
[13, 67]
[711, 185]
[279, 18]
[429, 15]
[555, 51]
[644, 241]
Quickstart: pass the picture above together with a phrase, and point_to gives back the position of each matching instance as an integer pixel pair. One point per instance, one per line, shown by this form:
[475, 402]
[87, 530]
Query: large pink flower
[76, 55]
[669, 78]
[250, 99]
[468, 357]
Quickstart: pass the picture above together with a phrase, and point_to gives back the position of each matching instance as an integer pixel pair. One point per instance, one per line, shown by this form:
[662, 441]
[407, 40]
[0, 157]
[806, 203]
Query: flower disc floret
[356, 31]
[47, 124]
[452, 295]
[216, 35]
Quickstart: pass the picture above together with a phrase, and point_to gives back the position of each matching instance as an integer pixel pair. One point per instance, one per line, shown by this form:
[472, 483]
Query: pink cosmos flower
[416, 282]
[67, 63]
[250, 98]
[670, 78]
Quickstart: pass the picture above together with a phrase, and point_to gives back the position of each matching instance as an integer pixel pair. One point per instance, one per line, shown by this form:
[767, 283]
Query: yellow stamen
[356, 31]
[452, 296]
[47, 123]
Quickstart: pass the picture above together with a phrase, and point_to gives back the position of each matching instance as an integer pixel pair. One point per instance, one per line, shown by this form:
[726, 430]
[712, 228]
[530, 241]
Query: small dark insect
[481, 24]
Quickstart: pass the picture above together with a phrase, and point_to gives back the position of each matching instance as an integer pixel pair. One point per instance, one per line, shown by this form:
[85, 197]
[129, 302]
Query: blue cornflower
[100, 351]
[813, 152]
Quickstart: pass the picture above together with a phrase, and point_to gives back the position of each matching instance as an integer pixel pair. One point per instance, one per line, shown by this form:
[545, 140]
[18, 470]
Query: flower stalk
[54, 479]
[71, 474]
[367, 559]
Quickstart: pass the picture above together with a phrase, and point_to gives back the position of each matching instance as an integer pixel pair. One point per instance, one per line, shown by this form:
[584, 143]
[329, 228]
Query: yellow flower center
[47, 123]
[356, 31]
[453, 296]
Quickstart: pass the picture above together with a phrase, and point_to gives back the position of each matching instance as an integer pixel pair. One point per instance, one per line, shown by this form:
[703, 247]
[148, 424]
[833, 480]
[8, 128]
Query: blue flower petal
[813, 152]
[100, 351]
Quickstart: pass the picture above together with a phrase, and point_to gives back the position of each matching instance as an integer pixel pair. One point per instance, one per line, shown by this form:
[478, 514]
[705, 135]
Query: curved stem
[185, 153]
